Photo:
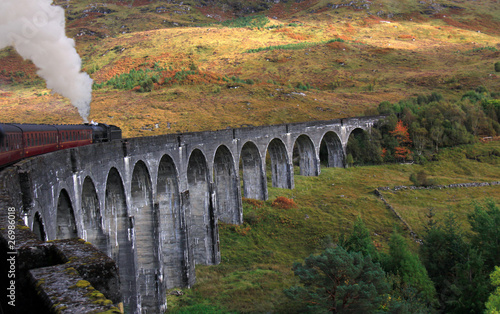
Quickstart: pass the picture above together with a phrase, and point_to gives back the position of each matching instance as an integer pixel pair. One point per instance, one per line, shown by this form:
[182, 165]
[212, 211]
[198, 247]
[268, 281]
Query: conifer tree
[401, 261]
[338, 281]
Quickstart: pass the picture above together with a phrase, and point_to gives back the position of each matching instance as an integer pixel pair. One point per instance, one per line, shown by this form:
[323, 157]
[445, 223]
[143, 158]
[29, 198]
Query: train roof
[6, 127]
[27, 127]
[33, 127]
[70, 127]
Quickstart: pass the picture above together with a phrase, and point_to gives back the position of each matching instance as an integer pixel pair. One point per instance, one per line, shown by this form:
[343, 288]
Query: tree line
[417, 128]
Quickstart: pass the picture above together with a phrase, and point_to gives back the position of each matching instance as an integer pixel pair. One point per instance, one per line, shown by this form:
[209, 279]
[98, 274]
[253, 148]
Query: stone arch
[304, 151]
[359, 147]
[281, 173]
[119, 228]
[38, 227]
[65, 222]
[356, 131]
[92, 218]
[146, 237]
[203, 220]
[226, 186]
[331, 150]
[254, 178]
[171, 224]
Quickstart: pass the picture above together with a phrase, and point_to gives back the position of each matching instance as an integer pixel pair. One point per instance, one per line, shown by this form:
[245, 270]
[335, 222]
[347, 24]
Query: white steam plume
[36, 29]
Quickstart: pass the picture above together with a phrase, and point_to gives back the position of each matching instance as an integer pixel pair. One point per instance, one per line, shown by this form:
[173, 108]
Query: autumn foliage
[400, 132]
[283, 202]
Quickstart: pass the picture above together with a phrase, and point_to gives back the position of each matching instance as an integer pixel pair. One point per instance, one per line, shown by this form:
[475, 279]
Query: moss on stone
[80, 284]
[113, 310]
[71, 270]
[40, 282]
[58, 308]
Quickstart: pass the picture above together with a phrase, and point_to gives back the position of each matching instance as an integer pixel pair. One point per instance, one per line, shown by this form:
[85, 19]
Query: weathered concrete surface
[153, 203]
[41, 271]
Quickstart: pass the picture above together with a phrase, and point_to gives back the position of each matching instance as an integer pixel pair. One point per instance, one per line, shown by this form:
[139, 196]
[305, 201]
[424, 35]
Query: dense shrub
[283, 202]
[497, 66]
[420, 179]
[255, 203]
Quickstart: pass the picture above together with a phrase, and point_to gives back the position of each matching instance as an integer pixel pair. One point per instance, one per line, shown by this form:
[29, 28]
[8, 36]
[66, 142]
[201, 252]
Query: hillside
[257, 257]
[337, 59]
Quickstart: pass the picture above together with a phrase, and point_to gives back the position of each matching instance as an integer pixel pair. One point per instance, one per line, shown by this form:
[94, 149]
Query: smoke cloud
[36, 29]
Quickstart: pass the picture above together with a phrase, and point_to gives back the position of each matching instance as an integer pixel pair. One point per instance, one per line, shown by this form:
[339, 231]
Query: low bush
[420, 179]
[283, 202]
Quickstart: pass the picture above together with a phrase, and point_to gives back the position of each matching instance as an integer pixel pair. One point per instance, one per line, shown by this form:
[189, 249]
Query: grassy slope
[257, 257]
[379, 61]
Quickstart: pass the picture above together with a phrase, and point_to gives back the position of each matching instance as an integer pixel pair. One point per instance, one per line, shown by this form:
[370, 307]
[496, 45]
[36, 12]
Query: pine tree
[360, 240]
[485, 223]
[407, 265]
[339, 281]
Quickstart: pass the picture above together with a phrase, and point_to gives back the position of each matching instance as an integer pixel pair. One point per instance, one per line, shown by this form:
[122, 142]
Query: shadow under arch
[281, 172]
[92, 216]
[305, 154]
[38, 227]
[119, 227]
[226, 187]
[203, 223]
[172, 225]
[331, 150]
[65, 223]
[146, 237]
[253, 174]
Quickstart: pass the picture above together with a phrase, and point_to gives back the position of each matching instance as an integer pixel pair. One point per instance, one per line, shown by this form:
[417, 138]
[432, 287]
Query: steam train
[19, 141]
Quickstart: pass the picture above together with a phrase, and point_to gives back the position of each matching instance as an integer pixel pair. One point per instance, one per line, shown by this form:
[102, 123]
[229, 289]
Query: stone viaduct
[153, 203]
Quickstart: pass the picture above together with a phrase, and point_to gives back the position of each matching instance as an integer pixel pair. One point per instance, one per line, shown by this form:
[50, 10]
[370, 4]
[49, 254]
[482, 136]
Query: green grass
[257, 256]
[297, 46]
[257, 21]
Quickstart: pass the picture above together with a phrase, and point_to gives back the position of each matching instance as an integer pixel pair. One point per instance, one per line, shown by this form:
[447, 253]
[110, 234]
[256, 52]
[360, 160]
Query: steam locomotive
[18, 141]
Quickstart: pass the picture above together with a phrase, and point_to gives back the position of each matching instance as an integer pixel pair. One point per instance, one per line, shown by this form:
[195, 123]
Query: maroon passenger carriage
[18, 141]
